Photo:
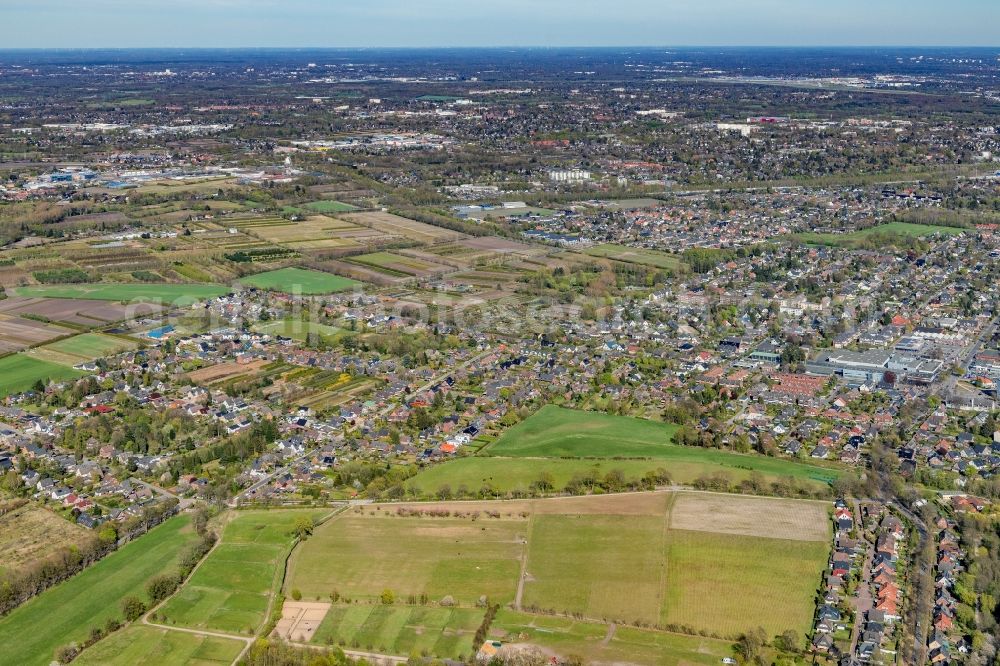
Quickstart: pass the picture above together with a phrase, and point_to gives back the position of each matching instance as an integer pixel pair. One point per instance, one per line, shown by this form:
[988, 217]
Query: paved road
[183, 502]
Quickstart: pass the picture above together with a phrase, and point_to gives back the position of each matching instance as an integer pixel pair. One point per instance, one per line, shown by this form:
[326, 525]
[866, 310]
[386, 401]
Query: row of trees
[19, 585]
[158, 588]
[272, 652]
[581, 483]
[756, 484]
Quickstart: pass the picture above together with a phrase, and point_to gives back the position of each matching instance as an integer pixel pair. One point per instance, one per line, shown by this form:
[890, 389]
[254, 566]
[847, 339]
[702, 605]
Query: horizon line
[500, 46]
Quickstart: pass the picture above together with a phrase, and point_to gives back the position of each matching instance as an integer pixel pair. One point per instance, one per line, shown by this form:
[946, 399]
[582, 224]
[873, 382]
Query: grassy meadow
[565, 442]
[508, 475]
[329, 206]
[634, 255]
[556, 432]
[142, 644]
[82, 348]
[854, 238]
[167, 294]
[402, 630]
[67, 612]
[20, 372]
[596, 643]
[230, 590]
[599, 559]
[434, 556]
[731, 582]
[297, 329]
[606, 566]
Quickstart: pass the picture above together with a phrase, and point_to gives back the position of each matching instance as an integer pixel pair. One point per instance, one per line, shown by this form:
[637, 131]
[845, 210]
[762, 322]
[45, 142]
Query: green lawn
[436, 556]
[631, 568]
[67, 612]
[600, 566]
[140, 644]
[626, 646]
[635, 255]
[729, 583]
[82, 348]
[327, 206]
[554, 432]
[603, 559]
[297, 329]
[230, 590]
[300, 281]
[402, 630]
[903, 229]
[167, 294]
[19, 372]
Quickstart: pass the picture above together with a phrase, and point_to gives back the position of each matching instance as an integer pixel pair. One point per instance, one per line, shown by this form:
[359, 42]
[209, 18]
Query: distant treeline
[940, 217]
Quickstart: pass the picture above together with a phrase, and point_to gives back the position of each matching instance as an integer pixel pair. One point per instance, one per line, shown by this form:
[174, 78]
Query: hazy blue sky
[227, 23]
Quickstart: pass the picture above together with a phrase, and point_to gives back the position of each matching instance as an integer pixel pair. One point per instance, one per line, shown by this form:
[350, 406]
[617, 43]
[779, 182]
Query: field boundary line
[665, 545]
[357, 654]
[662, 489]
[278, 584]
[145, 616]
[620, 623]
[144, 619]
[289, 562]
[518, 596]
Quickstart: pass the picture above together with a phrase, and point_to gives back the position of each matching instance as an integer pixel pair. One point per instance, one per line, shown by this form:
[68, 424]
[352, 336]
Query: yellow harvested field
[749, 515]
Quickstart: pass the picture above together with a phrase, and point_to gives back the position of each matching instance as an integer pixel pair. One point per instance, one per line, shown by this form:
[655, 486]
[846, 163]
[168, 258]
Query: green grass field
[402, 630]
[230, 590]
[300, 281]
[634, 255]
[731, 583]
[82, 348]
[167, 294]
[439, 557]
[328, 206]
[903, 229]
[297, 329]
[554, 432]
[627, 645]
[20, 372]
[600, 566]
[141, 644]
[631, 568]
[617, 558]
[67, 612]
